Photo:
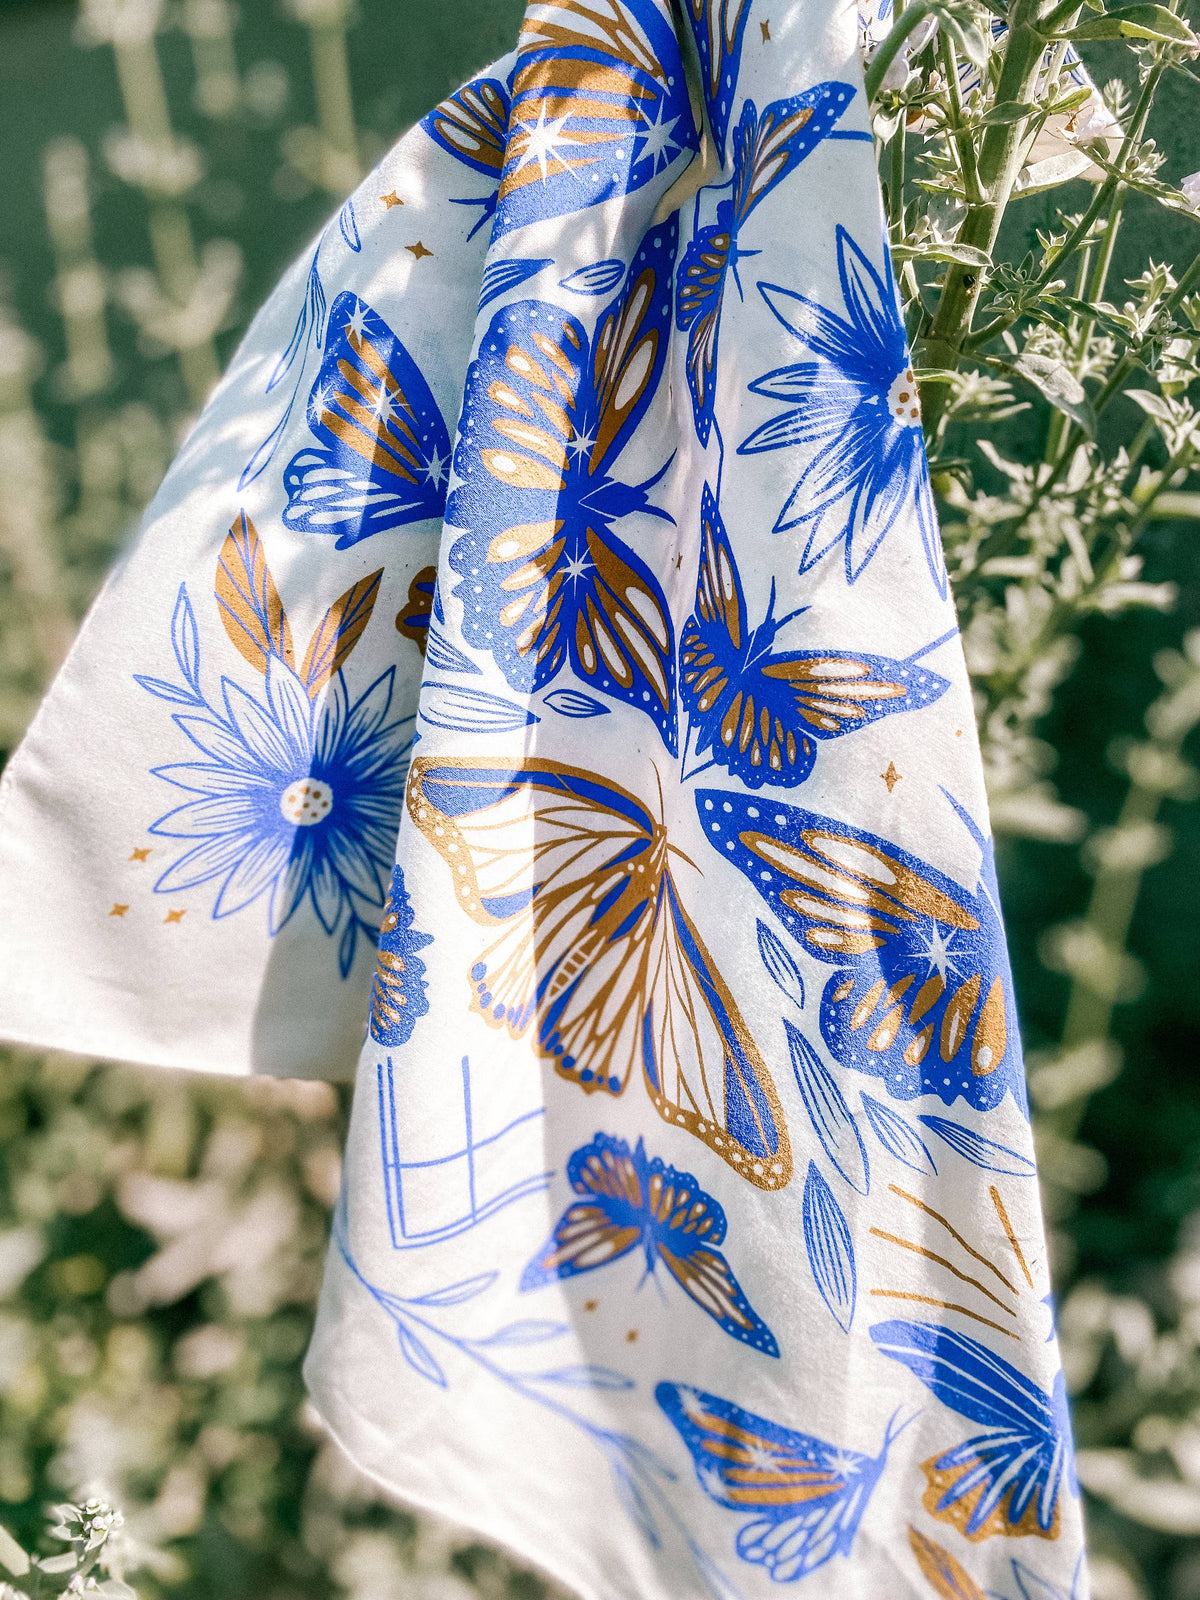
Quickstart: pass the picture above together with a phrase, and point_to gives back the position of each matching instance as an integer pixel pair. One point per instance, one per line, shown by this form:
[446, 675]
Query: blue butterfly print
[630, 1199]
[765, 150]
[923, 995]
[760, 713]
[592, 950]
[472, 125]
[805, 1498]
[546, 583]
[384, 449]
[718, 27]
[398, 996]
[856, 413]
[599, 108]
[1008, 1479]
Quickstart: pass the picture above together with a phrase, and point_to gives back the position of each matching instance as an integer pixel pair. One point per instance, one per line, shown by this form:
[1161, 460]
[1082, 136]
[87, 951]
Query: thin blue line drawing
[406, 1229]
[638, 1472]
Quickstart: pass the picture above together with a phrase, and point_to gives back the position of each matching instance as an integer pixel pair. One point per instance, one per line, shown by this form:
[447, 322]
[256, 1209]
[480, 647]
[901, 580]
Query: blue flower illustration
[855, 409]
[299, 794]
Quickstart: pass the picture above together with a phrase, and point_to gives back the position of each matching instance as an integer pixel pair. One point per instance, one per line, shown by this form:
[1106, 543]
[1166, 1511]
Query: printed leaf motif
[500, 276]
[444, 705]
[573, 703]
[529, 1331]
[338, 631]
[348, 224]
[831, 1117]
[897, 1137]
[442, 656]
[942, 1572]
[418, 1357]
[587, 1377]
[779, 964]
[185, 639]
[248, 600]
[167, 691]
[599, 278]
[635, 1504]
[455, 1294]
[830, 1249]
[983, 1152]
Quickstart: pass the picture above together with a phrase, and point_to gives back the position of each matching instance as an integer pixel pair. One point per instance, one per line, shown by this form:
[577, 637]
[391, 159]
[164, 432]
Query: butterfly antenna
[928, 649]
[674, 850]
[791, 617]
[892, 1432]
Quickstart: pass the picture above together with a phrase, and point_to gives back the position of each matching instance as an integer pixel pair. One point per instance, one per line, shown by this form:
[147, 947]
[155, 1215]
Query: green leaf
[1007, 111]
[67, 1562]
[964, 255]
[1176, 504]
[1135, 22]
[1152, 404]
[1056, 383]
[959, 22]
[12, 1558]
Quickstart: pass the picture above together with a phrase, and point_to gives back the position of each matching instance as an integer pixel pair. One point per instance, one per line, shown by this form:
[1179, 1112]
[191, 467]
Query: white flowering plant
[91, 1563]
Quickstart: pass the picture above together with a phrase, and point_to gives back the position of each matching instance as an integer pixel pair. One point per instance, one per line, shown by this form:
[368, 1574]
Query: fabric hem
[412, 1500]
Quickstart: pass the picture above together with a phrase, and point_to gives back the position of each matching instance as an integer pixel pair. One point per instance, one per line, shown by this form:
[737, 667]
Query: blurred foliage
[160, 1239]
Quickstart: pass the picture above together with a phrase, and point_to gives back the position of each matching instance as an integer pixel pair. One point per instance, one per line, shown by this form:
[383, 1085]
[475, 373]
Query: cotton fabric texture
[539, 664]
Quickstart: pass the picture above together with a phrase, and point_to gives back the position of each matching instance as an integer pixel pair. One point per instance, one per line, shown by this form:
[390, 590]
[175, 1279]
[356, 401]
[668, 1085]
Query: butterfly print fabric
[535, 694]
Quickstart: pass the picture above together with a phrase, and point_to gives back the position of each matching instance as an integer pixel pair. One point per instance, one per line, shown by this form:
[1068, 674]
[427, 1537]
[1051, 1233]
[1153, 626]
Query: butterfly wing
[718, 27]
[923, 998]
[686, 1225]
[384, 446]
[593, 945]
[768, 148]
[596, 109]
[1020, 1462]
[471, 125]
[700, 291]
[806, 1497]
[414, 617]
[602, 1226]
[545, 579]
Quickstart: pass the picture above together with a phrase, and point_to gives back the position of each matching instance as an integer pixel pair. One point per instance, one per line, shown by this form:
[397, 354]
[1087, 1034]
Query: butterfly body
[383, 455]
[759, 712]
[766, 150]
[631, 1199]
[1008, 1479]
[594, 956]
[922, 997]
[805, 1497]
[546, 581]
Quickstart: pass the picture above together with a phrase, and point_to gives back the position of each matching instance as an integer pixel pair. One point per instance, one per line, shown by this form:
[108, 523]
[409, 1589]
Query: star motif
[937, 952]
[140, 855]
[436, 470]
[118, 911]
[541, 141]
[891, 777]
[659, 138]
[392, 199]
[766, 32]
[417, 250]
[581, 444]
[762, 1458]
[175, 916]
[383, 408]
[576, 567]
[357, 322]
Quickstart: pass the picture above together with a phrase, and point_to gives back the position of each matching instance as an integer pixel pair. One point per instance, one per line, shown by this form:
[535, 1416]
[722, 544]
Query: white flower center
[306, 802]
[904, 406]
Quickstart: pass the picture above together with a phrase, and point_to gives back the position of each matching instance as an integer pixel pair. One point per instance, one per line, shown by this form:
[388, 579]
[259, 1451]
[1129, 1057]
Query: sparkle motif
[175, 916]
[659, 144]
[357, 322]
[891, 777]
[418, 250]
[542, 141]
[766, 32]
[118, 911]
[391, 199]
[139, 854]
